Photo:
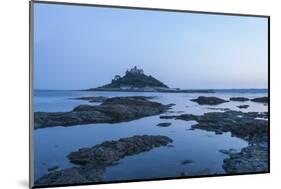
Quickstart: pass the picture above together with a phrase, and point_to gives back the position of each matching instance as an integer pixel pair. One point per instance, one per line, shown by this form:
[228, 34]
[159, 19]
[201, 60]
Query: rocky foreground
[112, 110]
[94, 160]
[251, 159]
[251, 126]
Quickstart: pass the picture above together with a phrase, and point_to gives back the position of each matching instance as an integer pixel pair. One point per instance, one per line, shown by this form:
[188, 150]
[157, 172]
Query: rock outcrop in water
[242, 125]
[164, 124]
[260, 99]
[239, 99]
[92, 98]
[94, 160]
[110, 152]
[112, 110]
[243, 106]
[202, 100]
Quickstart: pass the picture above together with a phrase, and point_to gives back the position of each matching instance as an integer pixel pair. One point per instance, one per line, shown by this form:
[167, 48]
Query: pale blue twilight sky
[78, 47]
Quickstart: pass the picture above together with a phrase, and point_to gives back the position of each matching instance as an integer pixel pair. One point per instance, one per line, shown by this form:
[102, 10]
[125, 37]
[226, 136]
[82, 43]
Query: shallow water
[52, 145]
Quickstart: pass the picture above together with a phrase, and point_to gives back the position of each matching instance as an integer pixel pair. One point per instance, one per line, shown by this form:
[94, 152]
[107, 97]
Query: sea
[52, 145]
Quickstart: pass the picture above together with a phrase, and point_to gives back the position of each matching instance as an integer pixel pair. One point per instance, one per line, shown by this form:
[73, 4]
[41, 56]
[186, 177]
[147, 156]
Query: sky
[78, 47]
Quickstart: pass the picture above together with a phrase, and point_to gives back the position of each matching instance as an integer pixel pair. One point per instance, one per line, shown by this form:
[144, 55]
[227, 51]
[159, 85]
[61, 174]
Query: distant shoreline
[157, 90]
[249, 90]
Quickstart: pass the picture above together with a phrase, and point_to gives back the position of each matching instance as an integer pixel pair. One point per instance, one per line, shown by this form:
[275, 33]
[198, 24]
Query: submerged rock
[202, 100]
[165, 124]
[243, 106]
[112, 110]
[239, 99]
[94, 160]
[260, 99]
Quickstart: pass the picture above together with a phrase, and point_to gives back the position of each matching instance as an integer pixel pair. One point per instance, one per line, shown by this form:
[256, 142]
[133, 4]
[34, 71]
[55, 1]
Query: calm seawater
[52, 145]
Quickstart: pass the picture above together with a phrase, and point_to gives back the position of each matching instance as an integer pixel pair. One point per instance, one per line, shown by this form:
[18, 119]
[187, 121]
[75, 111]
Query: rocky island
[135, 80]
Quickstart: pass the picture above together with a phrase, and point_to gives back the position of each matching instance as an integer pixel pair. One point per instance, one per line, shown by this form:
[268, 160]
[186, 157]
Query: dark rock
[260, 99]
[94, 160]
[239, 99]
[202, 100]
[75, 175]
[168, 117]
[112, 110]
[230, 151]
[251, 159]
[170, 105]
[52, 168]
[222, 109]
[92, 98]
[106, 153]
[165, 124]
[187, 161]
[242, 125]
[243, 106]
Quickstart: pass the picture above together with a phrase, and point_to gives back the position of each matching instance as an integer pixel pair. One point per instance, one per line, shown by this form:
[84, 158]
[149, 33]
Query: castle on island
[135, 70]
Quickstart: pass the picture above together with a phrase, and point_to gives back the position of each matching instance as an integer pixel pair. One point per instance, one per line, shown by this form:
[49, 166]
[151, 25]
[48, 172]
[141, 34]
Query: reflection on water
[52, 145]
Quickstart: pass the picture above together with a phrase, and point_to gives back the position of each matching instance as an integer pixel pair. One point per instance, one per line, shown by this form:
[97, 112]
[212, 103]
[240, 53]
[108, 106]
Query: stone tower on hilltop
[135, 70]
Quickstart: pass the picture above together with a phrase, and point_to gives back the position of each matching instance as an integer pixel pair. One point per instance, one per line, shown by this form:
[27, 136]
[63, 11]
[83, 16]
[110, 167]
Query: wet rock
[239, 99]
[202, 100]
[94, 160]
[230, 151]
[165, 124]
[112, 110]
[75, 175]
[260, 99]
[168, 117]
[109, 152]
[92, 98]
[243, 106]
[242, 125]
[251, 159]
